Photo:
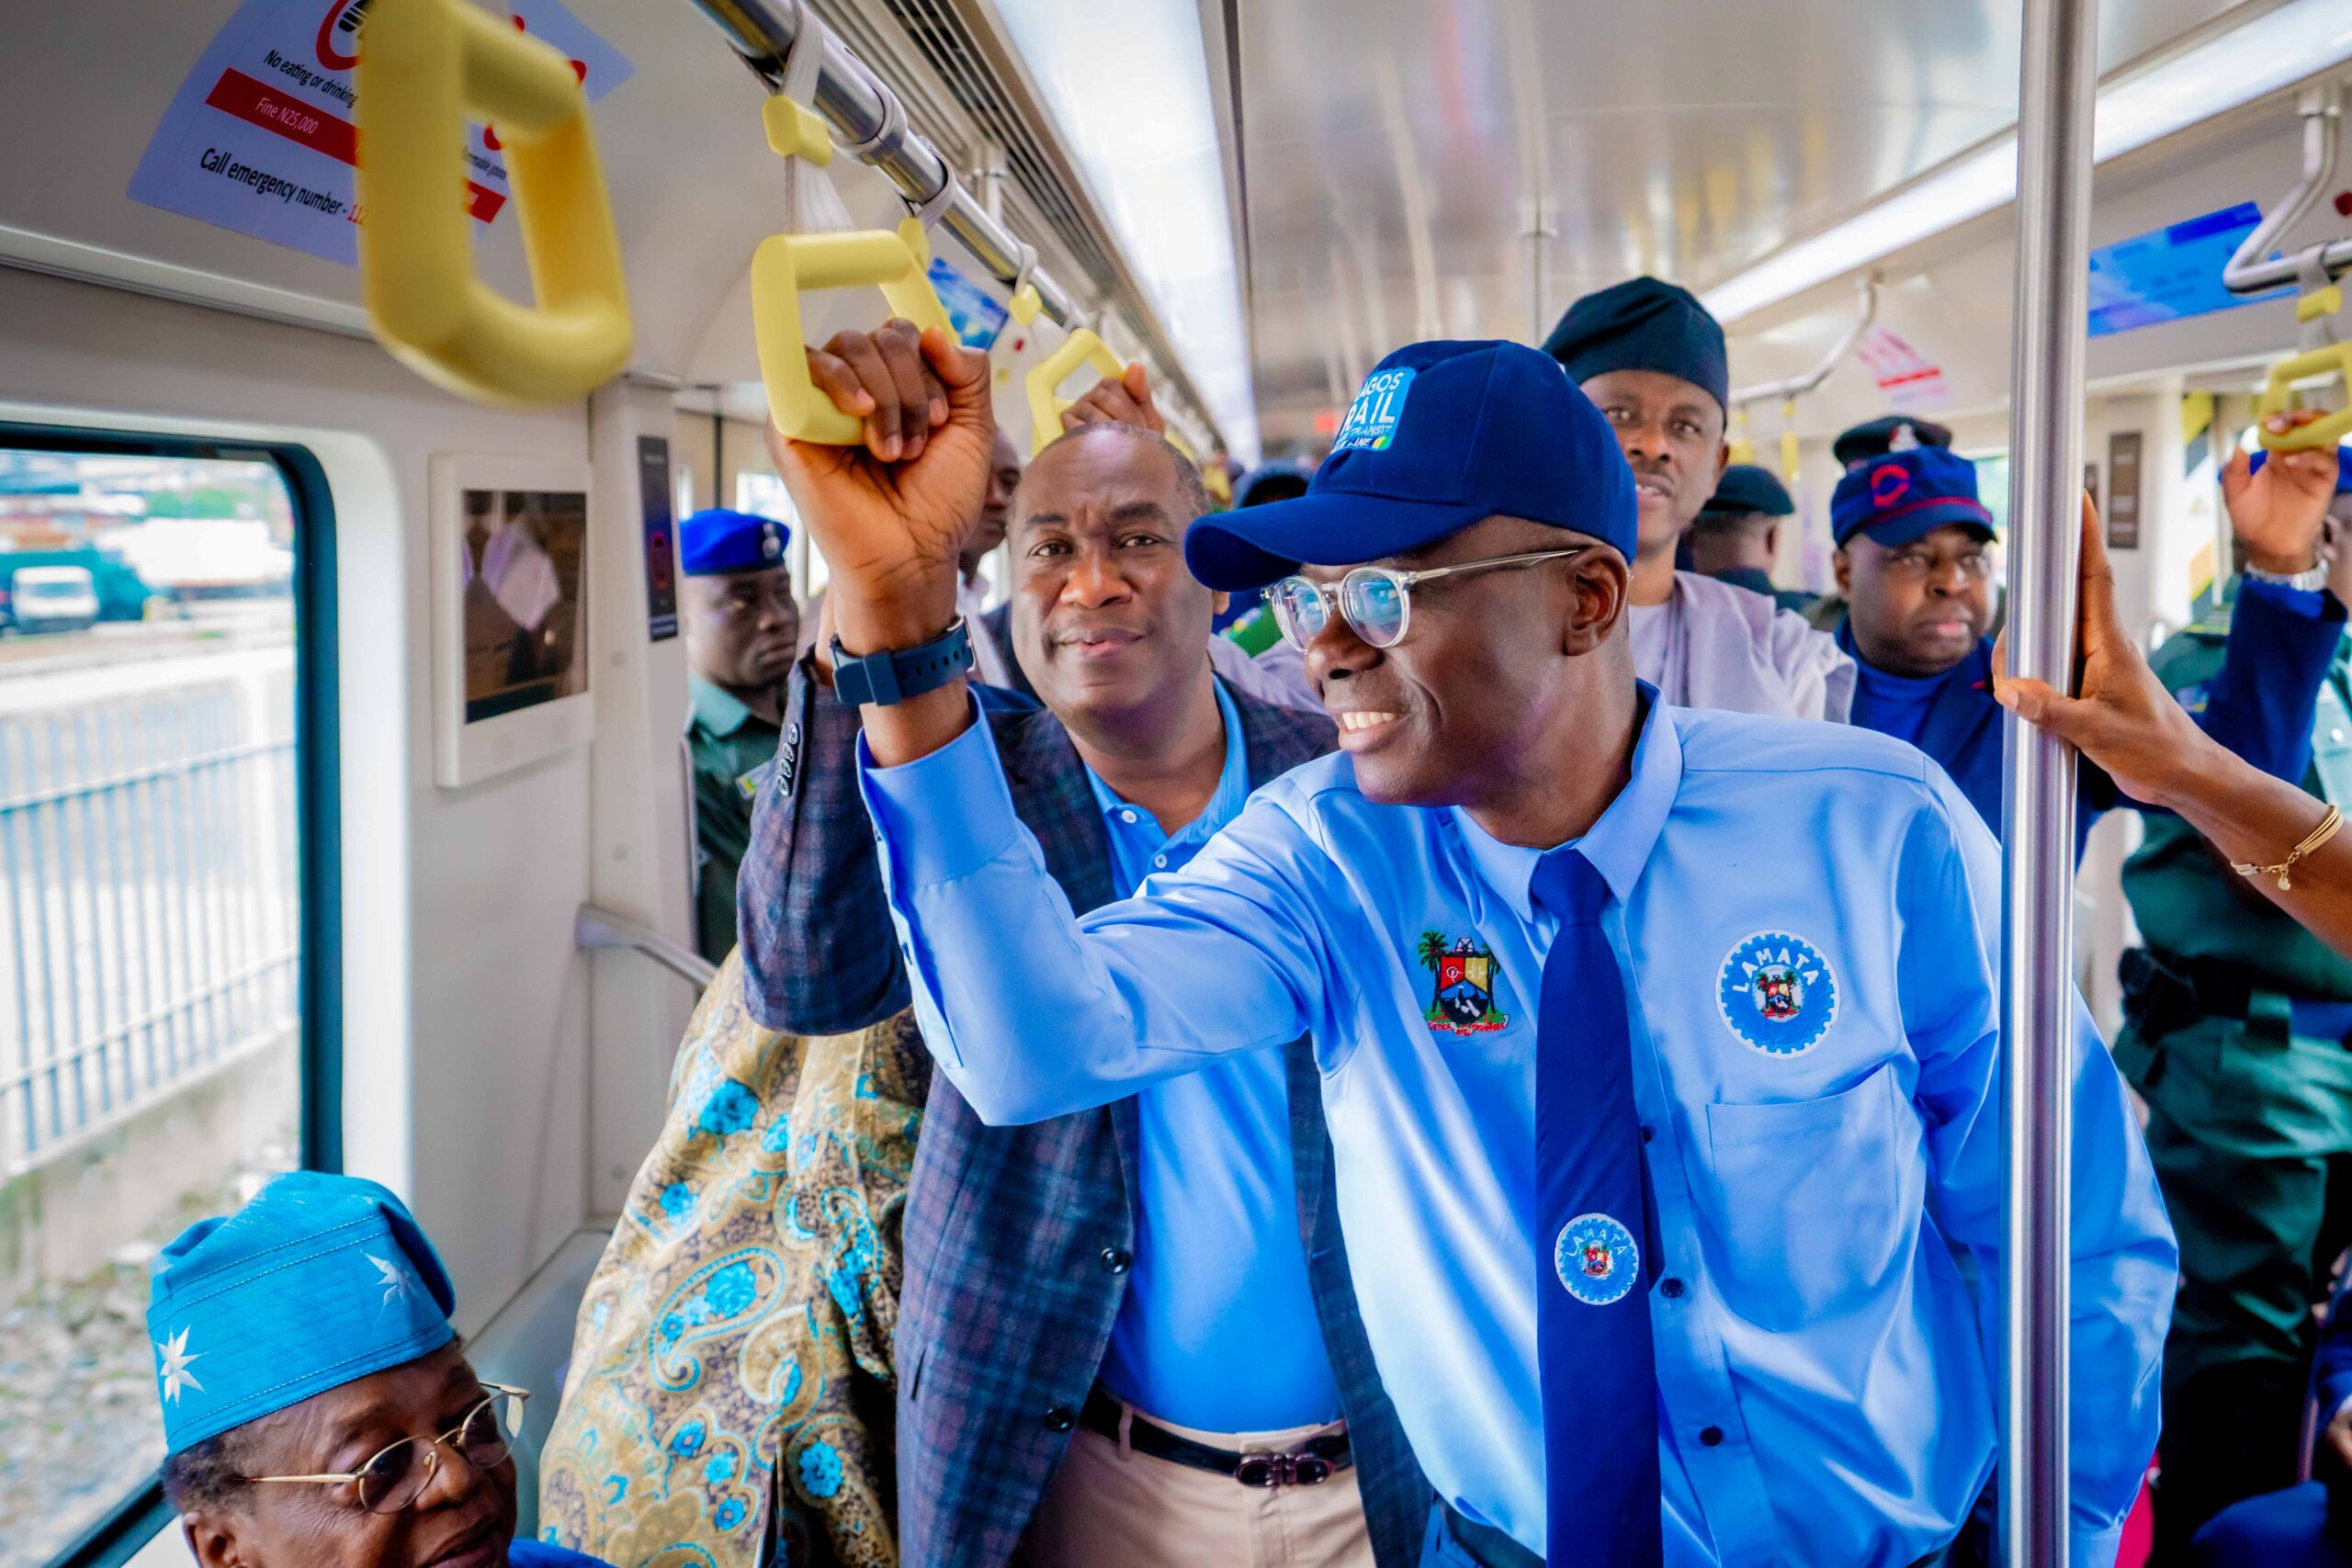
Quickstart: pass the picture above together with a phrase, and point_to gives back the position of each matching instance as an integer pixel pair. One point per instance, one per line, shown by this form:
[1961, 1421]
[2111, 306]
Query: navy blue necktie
[1597, 1366]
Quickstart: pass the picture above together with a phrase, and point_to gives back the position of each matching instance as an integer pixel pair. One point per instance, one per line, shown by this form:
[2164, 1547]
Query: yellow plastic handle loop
[1743, 450]
[795, 131]
[2327, 431]
[1026, 304]
[1080, 348]
[427, 66]
[786, 264]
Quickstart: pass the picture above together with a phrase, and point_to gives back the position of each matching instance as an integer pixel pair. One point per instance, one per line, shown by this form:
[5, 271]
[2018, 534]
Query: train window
[162, 829]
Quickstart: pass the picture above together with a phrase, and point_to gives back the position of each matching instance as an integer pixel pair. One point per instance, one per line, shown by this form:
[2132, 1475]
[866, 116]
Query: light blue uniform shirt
[1217, 1329]
[1826, 1371]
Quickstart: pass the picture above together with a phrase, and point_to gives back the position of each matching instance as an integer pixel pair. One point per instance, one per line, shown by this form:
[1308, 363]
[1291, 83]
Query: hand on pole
[2277, 514]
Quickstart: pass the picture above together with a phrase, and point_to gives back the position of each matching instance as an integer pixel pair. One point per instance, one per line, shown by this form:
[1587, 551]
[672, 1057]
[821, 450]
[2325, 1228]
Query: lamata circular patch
[1777, 993]
[1596, 1258]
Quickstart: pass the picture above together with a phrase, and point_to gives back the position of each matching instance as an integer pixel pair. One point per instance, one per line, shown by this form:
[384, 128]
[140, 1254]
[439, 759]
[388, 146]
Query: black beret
[1644, 326]
[1877, 437]
[1746, 488]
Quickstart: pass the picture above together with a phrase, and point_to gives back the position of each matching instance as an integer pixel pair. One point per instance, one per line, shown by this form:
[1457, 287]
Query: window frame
[123, 1532]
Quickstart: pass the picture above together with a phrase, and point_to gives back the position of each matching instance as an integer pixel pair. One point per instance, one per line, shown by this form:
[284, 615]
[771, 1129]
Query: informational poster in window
[262, 136]
[510, 614]
[2123, 490]
[660, 539]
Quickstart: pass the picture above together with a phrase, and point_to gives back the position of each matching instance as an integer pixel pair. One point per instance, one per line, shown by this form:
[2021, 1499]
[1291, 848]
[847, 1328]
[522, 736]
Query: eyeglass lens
[396, 1476]
[1300, 610]
[1373, 603]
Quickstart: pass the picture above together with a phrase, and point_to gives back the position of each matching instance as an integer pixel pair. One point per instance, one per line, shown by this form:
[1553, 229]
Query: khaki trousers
[1108, 1506]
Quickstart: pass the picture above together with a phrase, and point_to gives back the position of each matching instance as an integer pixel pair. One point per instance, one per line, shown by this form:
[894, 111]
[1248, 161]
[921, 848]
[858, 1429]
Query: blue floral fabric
[738, 1331]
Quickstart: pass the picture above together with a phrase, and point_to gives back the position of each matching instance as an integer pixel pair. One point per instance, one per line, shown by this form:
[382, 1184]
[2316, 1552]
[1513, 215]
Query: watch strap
[893, 675]
[2311, 579]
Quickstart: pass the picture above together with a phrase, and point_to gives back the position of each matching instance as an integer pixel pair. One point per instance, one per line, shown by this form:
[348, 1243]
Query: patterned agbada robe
[731, 1387]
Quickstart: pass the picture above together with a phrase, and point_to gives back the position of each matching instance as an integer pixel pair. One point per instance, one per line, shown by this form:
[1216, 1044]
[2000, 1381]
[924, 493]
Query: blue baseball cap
[2342, 468]
[1442, 435]
[1903, 495]
[714, 542]
[319, 1281]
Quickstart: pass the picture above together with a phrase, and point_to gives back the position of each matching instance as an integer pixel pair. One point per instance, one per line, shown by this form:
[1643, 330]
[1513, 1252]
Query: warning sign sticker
[260, 137]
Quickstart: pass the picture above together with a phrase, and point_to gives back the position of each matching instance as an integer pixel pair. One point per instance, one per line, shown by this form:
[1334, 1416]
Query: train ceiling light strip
[2259, 57]
[856, 104]
[1128, 86]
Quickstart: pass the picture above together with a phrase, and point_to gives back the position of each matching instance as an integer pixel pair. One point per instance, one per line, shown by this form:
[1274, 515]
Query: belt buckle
[1267, 1470]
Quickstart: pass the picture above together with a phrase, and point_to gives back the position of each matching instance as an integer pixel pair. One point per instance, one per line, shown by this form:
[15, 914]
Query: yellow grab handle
[2320, 432]
[1081, 347]
[1743, 450]
[427, 64]
[783, 266]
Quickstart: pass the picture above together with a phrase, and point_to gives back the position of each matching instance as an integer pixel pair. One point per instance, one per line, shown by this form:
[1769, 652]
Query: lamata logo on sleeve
[1373, 418]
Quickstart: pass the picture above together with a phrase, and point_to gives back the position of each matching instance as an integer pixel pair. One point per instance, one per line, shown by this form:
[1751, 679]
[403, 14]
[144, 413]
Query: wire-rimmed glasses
[1376, 601]
[399, 1472]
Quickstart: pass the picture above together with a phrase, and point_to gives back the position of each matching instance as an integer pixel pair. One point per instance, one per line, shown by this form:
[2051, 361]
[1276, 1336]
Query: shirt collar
[716, 709]
[1232, 784]
[1618, 844]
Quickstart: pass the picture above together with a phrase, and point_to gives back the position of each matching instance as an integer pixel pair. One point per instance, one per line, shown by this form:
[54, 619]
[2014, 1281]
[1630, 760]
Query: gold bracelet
[2311, 841]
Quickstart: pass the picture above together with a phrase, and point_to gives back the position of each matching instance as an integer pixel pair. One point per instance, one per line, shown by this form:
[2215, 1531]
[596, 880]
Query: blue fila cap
[319, 1281]
[716, 542]
[1898, 497]
[1442, 435]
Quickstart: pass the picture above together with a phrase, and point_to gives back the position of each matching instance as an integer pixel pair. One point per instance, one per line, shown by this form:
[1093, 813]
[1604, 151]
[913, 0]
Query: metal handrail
[601, 931]
[1797, 386]
[2251, 270]
[860, 108]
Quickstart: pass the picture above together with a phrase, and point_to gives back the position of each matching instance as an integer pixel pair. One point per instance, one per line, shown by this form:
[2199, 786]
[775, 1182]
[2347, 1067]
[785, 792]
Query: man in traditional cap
[318, 1410]
[1668, 1159]
[742, 632]
[1736, 538]
[1652, 359]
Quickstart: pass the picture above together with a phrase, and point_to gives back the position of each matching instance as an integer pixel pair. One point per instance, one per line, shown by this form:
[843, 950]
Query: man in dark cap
[1888, 433]
[1737, 537]
[742, 633]
[317, 1407]
[1574, 1000]
[1652, 359]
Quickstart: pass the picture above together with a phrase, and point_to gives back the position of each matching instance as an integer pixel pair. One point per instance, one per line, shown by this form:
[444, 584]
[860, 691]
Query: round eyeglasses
[398, 1473]
[1376, 601]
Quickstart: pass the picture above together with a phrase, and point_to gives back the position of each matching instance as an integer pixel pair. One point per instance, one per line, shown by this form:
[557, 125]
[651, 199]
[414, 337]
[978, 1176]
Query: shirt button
[1127, 817]
[1060, 1418]
[1161, 860]
[792, 732]
[1673, 1288]
[1713, 1437]
[1646, 1135]
[1118, 1259]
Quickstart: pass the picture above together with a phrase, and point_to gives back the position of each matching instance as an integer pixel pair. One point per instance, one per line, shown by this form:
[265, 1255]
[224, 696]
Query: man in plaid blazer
[1020, 1243]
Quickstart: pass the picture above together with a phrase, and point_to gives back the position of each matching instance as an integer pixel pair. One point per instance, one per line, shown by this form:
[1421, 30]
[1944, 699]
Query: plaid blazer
[1016, 1237]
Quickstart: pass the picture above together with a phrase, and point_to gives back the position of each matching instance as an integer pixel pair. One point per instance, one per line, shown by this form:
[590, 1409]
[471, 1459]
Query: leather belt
[1310, 1464]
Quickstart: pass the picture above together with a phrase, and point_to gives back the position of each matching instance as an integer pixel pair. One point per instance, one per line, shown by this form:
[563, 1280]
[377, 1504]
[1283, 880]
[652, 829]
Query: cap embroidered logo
[1373, 418]
[1889, 484]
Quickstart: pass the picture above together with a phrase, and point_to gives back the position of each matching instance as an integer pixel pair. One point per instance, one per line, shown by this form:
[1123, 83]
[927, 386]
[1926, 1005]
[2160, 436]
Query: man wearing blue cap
[1915, 566]
[1737, 537]
[742, 633]
[1660, 1047]
[317, 1406]
[1652, 359]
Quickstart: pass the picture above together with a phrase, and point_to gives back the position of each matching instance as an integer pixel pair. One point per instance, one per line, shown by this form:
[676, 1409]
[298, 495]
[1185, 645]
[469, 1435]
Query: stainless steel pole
[2056, 98]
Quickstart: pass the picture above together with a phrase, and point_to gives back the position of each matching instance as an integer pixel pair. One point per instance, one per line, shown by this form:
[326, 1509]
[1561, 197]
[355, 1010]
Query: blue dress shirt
[1217, 1328]
[1830, 1215]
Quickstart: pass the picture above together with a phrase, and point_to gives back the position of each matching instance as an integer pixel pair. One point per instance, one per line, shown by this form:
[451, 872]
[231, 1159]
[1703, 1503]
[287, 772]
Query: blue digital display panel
[2171, 273]
[971, 310]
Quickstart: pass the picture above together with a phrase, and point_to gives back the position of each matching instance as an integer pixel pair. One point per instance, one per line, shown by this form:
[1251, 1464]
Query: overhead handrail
[2253, 270]
[596, 929]
[1788, 389]
[427, 67]
[870, 123]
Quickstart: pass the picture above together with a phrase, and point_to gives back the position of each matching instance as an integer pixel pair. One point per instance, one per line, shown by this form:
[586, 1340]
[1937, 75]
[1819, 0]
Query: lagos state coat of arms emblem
[1462, 999]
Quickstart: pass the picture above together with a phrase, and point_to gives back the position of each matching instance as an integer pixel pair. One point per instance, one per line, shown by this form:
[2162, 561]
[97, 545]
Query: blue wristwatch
[891, 677]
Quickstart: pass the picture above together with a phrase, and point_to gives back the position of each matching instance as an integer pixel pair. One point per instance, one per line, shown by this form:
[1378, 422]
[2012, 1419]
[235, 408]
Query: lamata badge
[1462, 1000]
[1778, 993]
[1596, 1259]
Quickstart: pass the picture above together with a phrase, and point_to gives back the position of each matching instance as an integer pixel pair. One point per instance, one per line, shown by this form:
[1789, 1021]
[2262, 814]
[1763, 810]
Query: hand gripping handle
[425, 67]
[2320, 432]
[786, 264]
[1081, 347]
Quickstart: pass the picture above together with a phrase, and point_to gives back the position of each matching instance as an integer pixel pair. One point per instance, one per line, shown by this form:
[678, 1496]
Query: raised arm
[2126, 722]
